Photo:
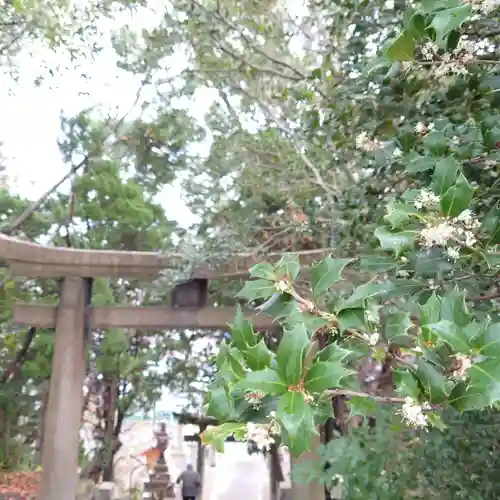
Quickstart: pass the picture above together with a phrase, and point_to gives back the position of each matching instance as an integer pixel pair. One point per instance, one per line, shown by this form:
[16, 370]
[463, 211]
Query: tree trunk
[110, 437]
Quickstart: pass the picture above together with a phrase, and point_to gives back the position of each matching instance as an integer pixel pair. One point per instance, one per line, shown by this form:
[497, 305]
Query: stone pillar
[314, 490]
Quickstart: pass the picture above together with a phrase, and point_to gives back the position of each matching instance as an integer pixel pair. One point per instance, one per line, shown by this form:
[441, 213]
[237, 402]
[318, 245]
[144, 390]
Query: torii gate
[74, 315]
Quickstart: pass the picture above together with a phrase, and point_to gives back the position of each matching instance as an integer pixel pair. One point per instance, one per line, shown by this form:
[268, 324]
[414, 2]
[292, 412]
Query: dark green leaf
[325, 375]
[430, 312]
[406, 385]
[268, 381]
[242, 332]
[352, 318]
[417, 163]
[432, 381]
[288, 267]
[326, 273]
[220, 405]
[450, 334]
[445, 174]
[258, 356]
[454, 308]
[368, 291]
[485, 377]
[448, 20]
[264, 271]
[377, 263]
[457, 198]
[333, 353]
[402, 48]
[222, 353]
[395, 241]
[291, 353]
[399, 214]
[297, 419]
[397, 324]
[490, 341]
[257, 289]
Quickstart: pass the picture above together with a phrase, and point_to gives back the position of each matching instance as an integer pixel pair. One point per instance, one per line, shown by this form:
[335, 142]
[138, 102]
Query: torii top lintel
[36, 261]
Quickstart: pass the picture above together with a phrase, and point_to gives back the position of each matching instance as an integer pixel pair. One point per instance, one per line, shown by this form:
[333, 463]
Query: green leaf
[257, 289]
[297, 420]
[396, 241]
[333, 353]
[221, 406]
[454, 308]
[216, 436]
[377, 263]
[432, 381]
[291, 353]
[258, 356]
[445, 174]
[430, 312]
[352, 318]
[368, 291]
[485, 377]
[492, 226]
[268, 381]
[464, 398]
[406, 384]
[448, 20]
[326, 273]
[264, 271]
[288, 267]
[242, 332]
[236, 362]
[417, 163]
[450, 334]
[222, 354]
[325, 375]
[397, 324]
[399, 214]
[457, 198]
[402, 48]
[363, 407]
[490, 341]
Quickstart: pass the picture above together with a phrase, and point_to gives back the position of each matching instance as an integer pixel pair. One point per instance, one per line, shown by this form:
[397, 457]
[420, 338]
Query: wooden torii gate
[74, 315]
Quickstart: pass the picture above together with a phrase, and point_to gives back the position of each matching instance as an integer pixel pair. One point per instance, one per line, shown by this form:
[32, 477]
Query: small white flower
[413, 414]
[470, 239]
[364, 143]
[397, 153]
[255, 398]
[420, 128]
[403, 273]
[463, 363]
[453, 253]
[437, 235]
[426, 199]
[372, 338]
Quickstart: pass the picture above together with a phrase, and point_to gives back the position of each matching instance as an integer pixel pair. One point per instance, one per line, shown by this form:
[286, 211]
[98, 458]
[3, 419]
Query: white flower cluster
[426, 199]
[413, 413]
[372, 338]
[460, 229]
[365, 143]
[450, 63]
[423, 129]
[259, 434]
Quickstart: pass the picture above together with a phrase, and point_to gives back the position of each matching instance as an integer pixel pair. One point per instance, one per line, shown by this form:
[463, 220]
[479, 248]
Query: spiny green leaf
[264, 271]
[291, 353]
[430, 312]
[242, 332]
[288, 267]
[216, 436]
[258, 356]
[297, 420]
[352, 318]
[490, 341]
[326, 273]
[445, 174]
[257, 289]
[268, 381]
[450, 334]
[432, 381]
[377, 263]
[485, 377]
[396, 324]
[368, 291]
[454, 308]
[402, 48]
[448, 20]
[221, 406]
[325, 375]
[458, 197]
[333, 353]
[396, 241]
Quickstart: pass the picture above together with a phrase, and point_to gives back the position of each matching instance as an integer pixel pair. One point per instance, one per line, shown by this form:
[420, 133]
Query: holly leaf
[399, 215]
[242, 332]
[288, 267]
[333, 353]
[445, 174]
[264, 271]
[450, 334]
[222, 354]
[458, 197]
[325, 375]
[297, 420]
[445, 21]
[258, 356]
[291, 353]
[257, 289]
[406, 384]
[489, 342]
[368, 291]
[216, 436]
[377, 263]
[352, 318]
[432, 381]
[402, 48]
[454, 308]
[395, 241]
[326, 273]
[430, 312]
[485, 378]
[268, 381]
[220, 405]
[362, 406]
[397, 324]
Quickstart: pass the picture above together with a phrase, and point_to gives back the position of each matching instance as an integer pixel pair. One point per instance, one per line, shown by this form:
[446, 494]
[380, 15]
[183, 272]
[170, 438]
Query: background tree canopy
[326, 121]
